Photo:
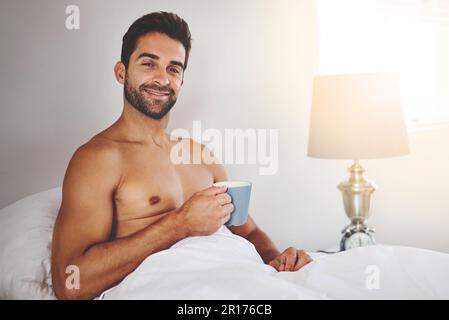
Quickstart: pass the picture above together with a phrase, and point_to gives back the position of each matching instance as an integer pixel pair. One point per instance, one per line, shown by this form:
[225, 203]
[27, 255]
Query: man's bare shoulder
[97, 156]
[99, 148]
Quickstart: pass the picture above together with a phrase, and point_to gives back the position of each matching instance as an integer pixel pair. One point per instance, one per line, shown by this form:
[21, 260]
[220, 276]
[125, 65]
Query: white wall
[251, 66]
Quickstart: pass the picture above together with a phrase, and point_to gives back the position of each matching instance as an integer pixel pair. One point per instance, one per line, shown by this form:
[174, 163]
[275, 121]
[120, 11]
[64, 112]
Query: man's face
[155, 74]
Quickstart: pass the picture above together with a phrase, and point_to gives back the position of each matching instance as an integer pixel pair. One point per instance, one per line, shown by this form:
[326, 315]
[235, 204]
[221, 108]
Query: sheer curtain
[410, 37]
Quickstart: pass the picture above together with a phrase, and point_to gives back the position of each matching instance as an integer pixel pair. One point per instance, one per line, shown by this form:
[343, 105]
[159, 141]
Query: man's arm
[82, 234]
[250, 231]
[290, 259]
[84, 224]
[264, 245]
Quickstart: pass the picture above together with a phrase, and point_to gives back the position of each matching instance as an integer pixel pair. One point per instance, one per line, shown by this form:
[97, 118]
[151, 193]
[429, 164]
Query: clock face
[358, 239]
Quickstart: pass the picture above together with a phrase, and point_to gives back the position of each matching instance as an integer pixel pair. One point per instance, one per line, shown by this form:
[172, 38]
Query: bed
[219, 266]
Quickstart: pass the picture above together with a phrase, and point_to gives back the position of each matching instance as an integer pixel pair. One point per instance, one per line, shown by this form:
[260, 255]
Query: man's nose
[161, 78]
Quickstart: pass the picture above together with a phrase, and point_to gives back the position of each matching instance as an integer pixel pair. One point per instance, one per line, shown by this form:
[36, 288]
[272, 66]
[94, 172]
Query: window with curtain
[410, 37]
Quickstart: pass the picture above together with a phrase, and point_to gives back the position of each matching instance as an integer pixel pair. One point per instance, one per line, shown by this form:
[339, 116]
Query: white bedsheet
[377, 272]
[226, 266]
[220, 266]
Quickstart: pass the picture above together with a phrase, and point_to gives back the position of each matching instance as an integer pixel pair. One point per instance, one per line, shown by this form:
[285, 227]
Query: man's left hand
[291, 259]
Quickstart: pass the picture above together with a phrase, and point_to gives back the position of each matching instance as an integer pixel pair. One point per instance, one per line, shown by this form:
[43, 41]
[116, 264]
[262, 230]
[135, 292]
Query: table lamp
[357, 116]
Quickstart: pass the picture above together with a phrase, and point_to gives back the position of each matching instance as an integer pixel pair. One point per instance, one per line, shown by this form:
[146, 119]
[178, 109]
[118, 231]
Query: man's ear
[120, 72]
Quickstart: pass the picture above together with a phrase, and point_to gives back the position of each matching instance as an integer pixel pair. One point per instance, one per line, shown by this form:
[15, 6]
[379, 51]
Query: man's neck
[139, 127]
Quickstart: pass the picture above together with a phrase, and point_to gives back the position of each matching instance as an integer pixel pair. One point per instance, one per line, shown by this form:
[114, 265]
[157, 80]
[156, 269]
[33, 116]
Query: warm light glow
[408, 37]
[357, 117]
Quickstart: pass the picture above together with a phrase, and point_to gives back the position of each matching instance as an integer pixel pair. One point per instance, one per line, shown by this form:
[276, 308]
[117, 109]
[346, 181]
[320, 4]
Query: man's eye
[174, 70]
[148, 64]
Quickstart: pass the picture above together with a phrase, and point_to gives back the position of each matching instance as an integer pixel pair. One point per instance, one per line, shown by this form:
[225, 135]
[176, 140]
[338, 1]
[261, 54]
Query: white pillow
[26, 229]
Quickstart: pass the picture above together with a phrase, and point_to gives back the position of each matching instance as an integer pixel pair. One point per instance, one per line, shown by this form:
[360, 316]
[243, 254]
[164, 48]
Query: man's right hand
[206, 211]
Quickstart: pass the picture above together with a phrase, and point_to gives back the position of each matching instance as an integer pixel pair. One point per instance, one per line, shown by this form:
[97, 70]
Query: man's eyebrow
[156, 57]
[177, 63]
[148, 55]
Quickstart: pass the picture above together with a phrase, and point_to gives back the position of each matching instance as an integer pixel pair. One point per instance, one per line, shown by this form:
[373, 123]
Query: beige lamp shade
[357, 116]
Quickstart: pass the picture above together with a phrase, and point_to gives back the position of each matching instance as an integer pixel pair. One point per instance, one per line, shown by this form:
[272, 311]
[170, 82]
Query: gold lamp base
[357, 193]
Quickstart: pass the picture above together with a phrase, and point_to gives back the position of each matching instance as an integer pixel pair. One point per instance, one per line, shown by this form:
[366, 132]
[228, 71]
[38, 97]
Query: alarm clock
[355, 236]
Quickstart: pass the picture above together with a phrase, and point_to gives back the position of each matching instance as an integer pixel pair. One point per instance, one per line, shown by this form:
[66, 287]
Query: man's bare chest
[152, 185]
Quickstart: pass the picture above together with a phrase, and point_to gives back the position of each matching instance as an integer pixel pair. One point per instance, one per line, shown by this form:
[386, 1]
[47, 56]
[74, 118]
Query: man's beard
[153, 108]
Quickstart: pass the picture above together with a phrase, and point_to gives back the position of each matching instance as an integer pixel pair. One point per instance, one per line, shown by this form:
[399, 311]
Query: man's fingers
[228, 208]
[306, 256]
[275, 263]
[301, 262]
[225, 218]
[223, 198]
[278, 263]
[213, 190]
[290, 261]
[303, 259]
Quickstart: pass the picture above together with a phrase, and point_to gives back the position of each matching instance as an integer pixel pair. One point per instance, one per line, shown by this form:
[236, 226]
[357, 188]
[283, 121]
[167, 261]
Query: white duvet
[219, 266]
[226, 266]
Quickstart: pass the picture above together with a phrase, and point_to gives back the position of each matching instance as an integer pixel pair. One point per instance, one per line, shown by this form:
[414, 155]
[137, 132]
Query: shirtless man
[123, 199]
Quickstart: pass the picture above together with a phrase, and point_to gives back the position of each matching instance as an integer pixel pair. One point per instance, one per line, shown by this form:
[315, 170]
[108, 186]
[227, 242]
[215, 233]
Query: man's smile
[156, 93]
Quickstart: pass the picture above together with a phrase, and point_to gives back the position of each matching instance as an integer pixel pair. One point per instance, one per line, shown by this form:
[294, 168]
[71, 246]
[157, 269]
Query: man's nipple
[154, 200]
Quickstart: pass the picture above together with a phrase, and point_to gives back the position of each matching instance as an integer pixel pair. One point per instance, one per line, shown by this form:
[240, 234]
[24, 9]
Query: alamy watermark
[372, 281]
[72, 21]
[234, 146]
[73, 280]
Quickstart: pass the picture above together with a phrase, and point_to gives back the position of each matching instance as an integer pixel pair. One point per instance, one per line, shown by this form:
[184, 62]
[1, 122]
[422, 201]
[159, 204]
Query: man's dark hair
[164, 22]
